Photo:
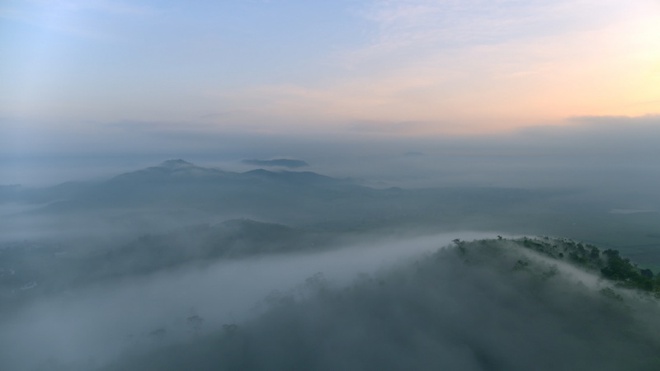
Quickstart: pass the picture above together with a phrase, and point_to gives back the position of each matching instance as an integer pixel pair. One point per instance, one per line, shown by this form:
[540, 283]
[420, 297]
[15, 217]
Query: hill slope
[483, 305]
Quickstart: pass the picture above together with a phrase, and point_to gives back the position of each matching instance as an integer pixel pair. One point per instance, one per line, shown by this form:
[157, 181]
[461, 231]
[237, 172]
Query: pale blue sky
[108, 53]
[72, 70]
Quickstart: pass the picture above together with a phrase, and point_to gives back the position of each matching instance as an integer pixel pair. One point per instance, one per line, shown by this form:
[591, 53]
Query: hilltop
[608, 263]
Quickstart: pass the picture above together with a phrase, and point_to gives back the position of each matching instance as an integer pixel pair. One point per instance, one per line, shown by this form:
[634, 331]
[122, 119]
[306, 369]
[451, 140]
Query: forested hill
[502, 304]
[608, 263]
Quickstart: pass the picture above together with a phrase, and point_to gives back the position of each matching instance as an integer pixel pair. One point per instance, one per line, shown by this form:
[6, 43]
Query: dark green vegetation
[483, 305]
[608, 263]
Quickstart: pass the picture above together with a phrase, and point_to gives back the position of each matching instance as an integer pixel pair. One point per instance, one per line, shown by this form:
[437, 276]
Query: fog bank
[98, 323]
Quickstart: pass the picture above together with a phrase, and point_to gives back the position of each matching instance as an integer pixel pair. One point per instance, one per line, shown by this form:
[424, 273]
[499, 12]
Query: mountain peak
[176, 164]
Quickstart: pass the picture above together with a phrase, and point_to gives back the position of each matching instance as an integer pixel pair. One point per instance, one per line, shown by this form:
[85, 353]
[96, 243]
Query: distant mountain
[278, 162]
[178, 191]
[176, 164]
[178, 184]
[183, 171]
[171, 170]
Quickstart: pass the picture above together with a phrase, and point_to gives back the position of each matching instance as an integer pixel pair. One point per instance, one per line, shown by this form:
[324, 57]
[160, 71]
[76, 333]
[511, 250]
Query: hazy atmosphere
[329, 185]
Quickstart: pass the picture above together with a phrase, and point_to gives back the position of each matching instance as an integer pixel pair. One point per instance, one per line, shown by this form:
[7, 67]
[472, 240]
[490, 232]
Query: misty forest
[340, 185]
[178, 266]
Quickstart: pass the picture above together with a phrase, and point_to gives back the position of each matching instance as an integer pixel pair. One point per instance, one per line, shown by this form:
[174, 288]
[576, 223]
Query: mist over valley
[177, 264]
[329, 185]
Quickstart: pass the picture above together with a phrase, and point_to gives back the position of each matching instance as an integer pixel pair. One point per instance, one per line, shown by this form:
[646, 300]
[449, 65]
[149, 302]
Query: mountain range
[185, 193]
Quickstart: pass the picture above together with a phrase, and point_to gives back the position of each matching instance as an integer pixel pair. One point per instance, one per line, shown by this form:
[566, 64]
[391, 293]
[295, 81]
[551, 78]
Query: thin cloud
[412, 24]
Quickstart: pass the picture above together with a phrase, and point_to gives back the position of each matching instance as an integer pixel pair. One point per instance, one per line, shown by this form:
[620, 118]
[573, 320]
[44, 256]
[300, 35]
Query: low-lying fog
[483, 305]
[97, 323]
[167, 257]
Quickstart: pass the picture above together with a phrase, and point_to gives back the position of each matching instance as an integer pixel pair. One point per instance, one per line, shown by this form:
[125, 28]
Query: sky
[88, 76]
